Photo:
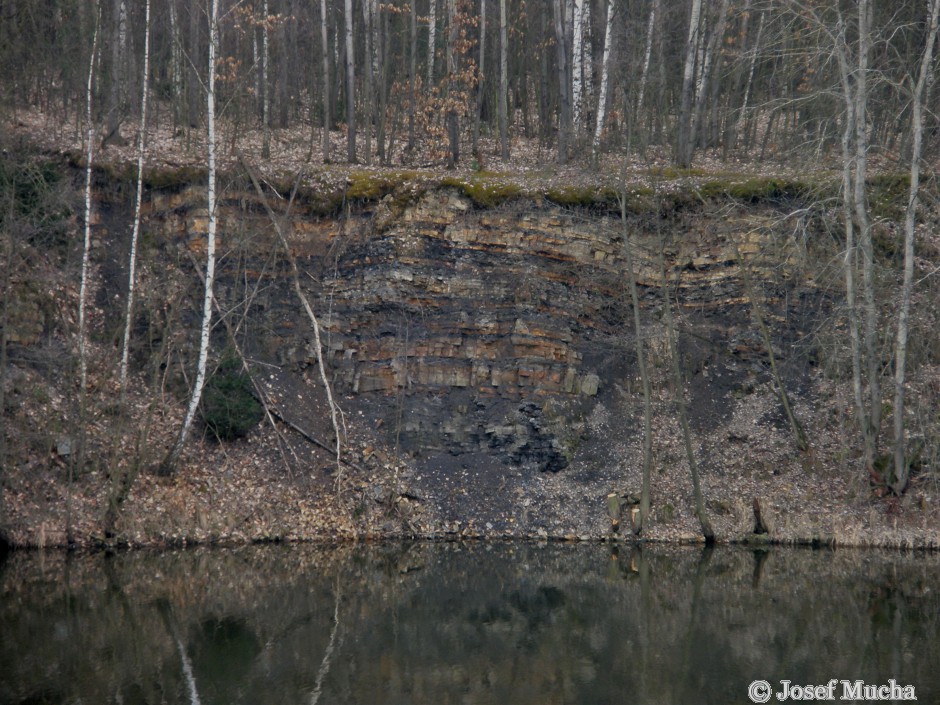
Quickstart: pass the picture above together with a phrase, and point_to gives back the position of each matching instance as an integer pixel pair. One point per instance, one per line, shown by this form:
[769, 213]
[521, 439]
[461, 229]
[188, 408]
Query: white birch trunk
[86, 247]
[432, 33]
[169, 465]
[705, 73]
[750, 72]
[577, 65]
[587, 65]
[647, 56]
[901, 468]
[605, 78]
[135, 232]
[684, 149]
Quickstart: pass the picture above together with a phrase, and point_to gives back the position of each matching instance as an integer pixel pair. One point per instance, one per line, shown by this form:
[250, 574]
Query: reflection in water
[513, 624]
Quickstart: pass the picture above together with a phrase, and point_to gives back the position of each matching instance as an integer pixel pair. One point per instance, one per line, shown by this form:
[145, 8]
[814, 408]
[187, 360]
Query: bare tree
[453, 119]
[679, 384]
[684, 137]
[479, 88]
[605, 80]
[918, 102]
[368, 7]
[350, 86]
[432, 32]
[647, 56]
[265, 88]
[135, 231]
[168, 466]
[503, 83]
[86, 248]
[577, 65]
[640, 349]
[564, 118]
[325, 61]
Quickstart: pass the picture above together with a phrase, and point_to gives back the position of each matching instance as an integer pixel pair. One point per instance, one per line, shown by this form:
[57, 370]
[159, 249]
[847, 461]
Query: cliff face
[495, 346]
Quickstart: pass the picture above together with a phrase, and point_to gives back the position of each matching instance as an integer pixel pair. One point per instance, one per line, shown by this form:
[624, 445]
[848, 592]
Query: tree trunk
[135, 232]
[412, 76]
[870, 338]
[503, 83]
[709, 57]
[918, 101]
[679, 384]
[564, 117]
[577, 66]
[479, 87]
[86, 248]
[176, 64]
[350, 87]
[119, 57]
[368, 97]
[605, 81]
[640, 349]
[335, 413]
[324, 40]
[453, 119]
[731, 136]
[848, 210]
[647, 55]
[265, 87]
[684, 142]
[168, 466]
[432, 36]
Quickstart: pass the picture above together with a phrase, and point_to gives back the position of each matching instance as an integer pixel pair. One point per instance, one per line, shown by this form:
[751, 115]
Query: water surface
[416, 624]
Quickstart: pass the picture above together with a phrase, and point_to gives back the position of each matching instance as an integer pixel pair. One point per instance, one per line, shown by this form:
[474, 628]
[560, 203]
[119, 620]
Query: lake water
[505, 623]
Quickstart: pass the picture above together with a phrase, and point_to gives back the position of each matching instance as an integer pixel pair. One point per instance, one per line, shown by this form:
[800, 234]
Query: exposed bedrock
[490, 338]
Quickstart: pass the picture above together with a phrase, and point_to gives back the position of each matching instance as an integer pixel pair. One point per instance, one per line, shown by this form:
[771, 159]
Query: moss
[754, 190]
[604, 197]
[483, 188]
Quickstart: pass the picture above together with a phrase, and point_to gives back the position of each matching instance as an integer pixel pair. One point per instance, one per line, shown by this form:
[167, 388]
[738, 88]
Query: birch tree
[605, 81]
[647, 56]
[687, 96]
[325, 63]
[918, 102]
[708, 58]
[350, 86]
[577, 65]
[86, 247]
[169, 464]
[135, 231]
[432, 32]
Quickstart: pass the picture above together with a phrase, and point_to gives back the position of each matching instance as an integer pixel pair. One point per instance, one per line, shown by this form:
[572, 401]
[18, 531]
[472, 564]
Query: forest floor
[251, 490]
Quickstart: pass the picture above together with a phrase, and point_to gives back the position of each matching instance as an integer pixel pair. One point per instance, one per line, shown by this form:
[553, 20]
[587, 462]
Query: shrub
[228, 407]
